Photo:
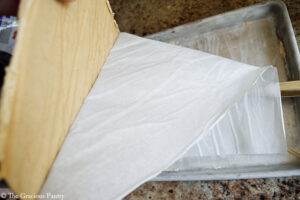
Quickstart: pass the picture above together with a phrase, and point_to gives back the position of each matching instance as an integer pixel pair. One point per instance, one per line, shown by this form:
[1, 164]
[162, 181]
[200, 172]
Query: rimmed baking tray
[260, 35]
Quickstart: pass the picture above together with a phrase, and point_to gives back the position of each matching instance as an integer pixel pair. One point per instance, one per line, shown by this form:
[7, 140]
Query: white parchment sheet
[151, 103]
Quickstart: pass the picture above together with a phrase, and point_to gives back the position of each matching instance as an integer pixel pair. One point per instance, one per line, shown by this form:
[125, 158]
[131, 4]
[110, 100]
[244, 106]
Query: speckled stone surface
[272, 188]
[143, 17]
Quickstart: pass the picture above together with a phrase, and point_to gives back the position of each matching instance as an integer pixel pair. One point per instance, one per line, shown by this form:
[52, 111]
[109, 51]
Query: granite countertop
[271, 188]
[144, 17]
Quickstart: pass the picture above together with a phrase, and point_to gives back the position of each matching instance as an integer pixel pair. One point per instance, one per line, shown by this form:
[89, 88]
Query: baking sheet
[259, 35]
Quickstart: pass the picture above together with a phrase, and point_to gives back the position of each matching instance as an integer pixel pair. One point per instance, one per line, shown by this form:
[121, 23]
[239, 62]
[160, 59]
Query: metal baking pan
[260, 35]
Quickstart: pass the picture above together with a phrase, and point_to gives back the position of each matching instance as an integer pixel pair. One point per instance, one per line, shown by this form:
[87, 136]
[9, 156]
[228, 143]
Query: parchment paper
[151, 103]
